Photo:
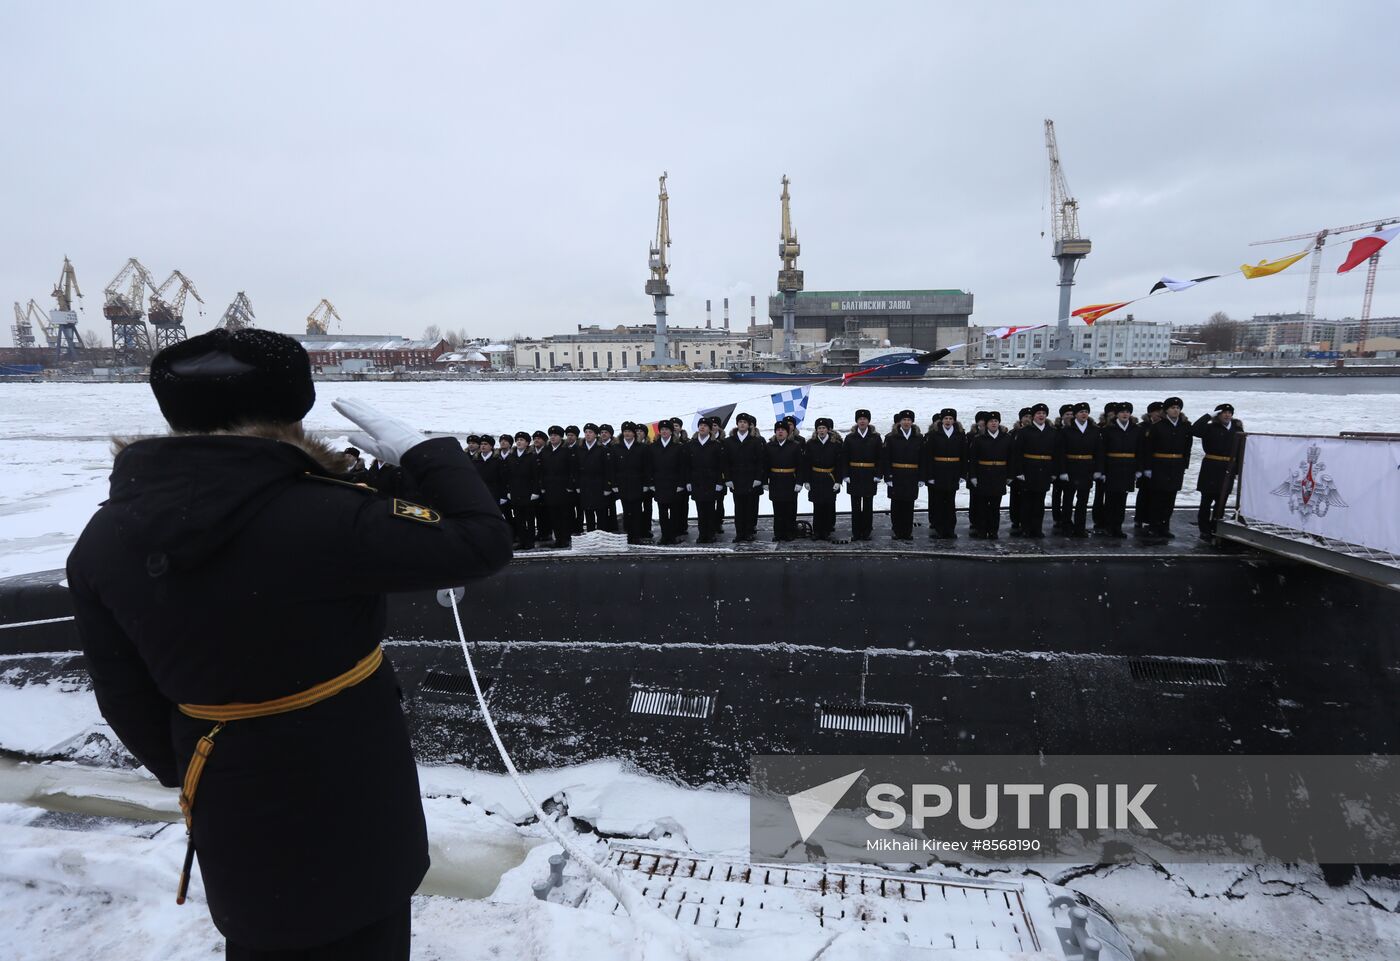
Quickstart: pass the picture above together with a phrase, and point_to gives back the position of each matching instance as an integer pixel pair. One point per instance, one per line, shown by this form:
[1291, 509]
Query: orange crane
[1319, 239]
[319, 320]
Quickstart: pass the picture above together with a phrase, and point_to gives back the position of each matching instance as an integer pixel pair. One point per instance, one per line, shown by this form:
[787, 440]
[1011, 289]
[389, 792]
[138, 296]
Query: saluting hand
[384, 438]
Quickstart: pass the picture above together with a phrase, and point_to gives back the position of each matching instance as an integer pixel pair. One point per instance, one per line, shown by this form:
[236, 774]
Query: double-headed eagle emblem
[1309, 489]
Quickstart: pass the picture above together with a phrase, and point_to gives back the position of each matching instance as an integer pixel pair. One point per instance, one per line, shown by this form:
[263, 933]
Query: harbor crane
[1319, 239]
[1070, 248]
[658, 286]
[239, 314]
[167, 311]
[27, 318]
[789, 277]
[319, 320]
[63, 319]
[126, 310]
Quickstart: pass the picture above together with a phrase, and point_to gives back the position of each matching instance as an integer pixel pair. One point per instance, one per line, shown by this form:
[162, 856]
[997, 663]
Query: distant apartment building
[1124, 342]
[593, 348]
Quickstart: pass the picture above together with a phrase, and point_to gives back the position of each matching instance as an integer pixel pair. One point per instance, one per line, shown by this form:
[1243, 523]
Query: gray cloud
[496, 169]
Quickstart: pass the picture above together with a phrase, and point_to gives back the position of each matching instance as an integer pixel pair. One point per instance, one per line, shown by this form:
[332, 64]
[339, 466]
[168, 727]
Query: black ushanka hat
[224, 378]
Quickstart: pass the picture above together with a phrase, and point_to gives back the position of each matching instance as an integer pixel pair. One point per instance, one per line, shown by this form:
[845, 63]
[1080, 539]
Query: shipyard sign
[1075, 809]
[854, 305]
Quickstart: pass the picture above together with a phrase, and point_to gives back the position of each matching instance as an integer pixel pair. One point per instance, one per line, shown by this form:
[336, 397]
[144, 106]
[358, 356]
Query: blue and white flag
[792, 402]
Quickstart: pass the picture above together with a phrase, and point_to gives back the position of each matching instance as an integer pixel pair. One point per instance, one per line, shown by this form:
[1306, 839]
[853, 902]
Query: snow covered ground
[56, 437]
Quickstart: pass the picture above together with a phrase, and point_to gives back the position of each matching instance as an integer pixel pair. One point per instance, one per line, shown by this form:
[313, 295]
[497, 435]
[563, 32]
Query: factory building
[919, 319]
[354, 353]
[1124, 342]
[622, 347]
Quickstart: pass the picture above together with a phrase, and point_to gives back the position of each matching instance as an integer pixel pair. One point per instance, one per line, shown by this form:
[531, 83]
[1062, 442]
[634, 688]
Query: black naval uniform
[1083, 463]
[1167, 454]
[706, 482]
[250, 573]
[520, 479]
[746, 465]
[945, 465]
[988, 463]
[784, 481]
[1142, 508]
[669, 472]
[607, 520]
[902, 470]
[1037, 454]
[1218, 442]
[632, 471]
[595, 481]
[489, 469]
[862, 456]
[1120, 458]
[825, 472]
[1061, 493]
[558, 482]
[575, 495]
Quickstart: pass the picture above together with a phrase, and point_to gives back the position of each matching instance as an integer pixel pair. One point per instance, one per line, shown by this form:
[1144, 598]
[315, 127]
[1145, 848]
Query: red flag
[1363, 249]
[1094, 311]
[1001, 333]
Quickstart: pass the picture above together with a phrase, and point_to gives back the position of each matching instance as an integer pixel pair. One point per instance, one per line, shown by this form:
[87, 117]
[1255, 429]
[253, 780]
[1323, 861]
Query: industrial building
[353, 353]
[1110, 342]
[919, 319]
[622, 347]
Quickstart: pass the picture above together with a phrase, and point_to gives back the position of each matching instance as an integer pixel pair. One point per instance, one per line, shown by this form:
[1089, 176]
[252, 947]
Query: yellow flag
[1266, 267]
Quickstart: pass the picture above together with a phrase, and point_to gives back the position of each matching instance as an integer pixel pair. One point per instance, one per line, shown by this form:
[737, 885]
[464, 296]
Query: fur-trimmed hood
[180, 498]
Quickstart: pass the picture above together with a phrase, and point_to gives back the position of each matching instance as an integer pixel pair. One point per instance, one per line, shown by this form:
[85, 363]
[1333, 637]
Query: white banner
[1339, 487]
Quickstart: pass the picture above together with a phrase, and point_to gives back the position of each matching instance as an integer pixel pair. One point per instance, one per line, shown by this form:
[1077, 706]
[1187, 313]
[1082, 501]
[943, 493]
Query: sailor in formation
[1087, 467]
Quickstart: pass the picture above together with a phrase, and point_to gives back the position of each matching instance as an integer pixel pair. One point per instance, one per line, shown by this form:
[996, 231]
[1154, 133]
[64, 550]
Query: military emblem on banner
[1309, 489]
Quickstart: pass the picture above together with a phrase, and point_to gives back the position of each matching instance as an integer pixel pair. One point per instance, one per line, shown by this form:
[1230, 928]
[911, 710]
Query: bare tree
[432, 333]
[1221, 335]
[92, 338]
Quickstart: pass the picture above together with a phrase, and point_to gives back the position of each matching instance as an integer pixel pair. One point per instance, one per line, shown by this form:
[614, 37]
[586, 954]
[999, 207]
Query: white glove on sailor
[719, 488]
[1064, 477]
[1020, 477]
[383, 437]
[1147, 474]
[1098, 476]
[972, 482]
[687, 489]
[729, 484]
[1137, 475]
[835, 488]
[505, 500]
[758, 483]
[534, 497]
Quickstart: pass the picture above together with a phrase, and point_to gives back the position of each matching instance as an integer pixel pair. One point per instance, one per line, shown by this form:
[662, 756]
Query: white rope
[631, 900]
[47, 620]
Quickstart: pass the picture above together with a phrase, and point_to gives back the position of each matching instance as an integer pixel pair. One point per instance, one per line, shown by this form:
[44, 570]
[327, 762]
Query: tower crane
[658, 286]
[167, 310]
[125, 308]
[63, 320]
[27, 318]
[1319, 239]
[319, 320]
[789, 277]
[239, 314]
[1070, 248]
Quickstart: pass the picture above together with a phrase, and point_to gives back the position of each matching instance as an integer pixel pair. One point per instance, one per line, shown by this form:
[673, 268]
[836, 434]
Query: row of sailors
[557, 483]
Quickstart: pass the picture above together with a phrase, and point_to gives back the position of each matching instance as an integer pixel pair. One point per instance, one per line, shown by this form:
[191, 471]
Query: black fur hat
[221, 379]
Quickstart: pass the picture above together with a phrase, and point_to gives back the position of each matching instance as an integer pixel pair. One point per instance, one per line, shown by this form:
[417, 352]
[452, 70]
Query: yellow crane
[27, 318]
[319, 320]
[789, 277]
[63, 320]
[658, 287]
[167, 311]
[239, 315]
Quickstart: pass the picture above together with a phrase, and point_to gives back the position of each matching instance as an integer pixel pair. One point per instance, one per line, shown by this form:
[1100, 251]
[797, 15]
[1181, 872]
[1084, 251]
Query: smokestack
[753, 310]
[707, 315]
[726, 313]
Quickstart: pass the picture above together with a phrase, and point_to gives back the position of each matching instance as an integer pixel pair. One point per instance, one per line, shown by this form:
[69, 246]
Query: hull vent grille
[662, 703]
[865, 719]
[452, 685]
[1173, 670]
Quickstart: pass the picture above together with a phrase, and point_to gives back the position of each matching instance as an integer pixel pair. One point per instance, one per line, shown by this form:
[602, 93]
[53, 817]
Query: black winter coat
[1218, 444]
[632, 469]
[1083, 453]
[1120, 447]
[558, 475]
[745, 461]
[706, 466]
[989, 462]
[902, 467]
[670, 472]
[490, 470]
[859, 452]
[784, 471]
[824, 468]
[945, 458]
[228, 569]
[1038, 455]
[1166, 452]
[520, 476]
[595, 475]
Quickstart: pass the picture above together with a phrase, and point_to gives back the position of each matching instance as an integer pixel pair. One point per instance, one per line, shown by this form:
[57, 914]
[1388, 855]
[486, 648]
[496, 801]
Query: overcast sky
[495, 168]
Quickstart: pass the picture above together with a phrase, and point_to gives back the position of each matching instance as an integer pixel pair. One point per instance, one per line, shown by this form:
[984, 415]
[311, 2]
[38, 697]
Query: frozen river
[56, 437]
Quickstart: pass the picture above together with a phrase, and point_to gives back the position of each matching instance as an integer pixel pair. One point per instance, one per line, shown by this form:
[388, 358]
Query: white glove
[806, 487]
[649, 488]
[1137, 475]
[534, 497]
[758, 483]
[1147, 474]
[719, 488]
[1098, 476]
[835, 488]
[687, 488]
[505, 500]
[972, 482]
[1020, 477]
[1064, 477]
[729, 484]
[385, 438]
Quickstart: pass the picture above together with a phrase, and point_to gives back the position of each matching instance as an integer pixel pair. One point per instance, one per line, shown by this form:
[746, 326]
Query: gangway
[1329, 501]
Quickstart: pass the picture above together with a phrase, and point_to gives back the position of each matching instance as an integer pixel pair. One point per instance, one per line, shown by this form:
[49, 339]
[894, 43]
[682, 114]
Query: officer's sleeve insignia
[415, 512]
